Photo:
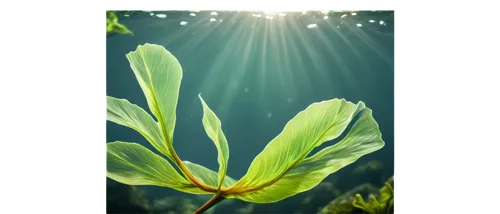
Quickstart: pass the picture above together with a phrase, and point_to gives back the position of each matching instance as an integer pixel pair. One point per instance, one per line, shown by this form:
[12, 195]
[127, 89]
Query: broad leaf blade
[133, 164]
[124, 113]
[363, 138]
[317, 123]
[213, 129]
[273, 175]
[159, 74]
[207, 176]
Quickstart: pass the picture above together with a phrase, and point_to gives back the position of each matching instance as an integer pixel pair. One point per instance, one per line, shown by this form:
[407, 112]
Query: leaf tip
[201, 99]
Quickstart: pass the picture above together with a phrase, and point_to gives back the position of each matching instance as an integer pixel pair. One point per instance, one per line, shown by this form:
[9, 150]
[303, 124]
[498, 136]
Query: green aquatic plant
[112, 25]
[384, 205]
[284, 168]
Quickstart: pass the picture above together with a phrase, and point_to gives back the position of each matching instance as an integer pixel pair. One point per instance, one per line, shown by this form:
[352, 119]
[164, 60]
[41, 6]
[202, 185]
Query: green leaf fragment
[118, 28]
[383, 205]
[112, 25]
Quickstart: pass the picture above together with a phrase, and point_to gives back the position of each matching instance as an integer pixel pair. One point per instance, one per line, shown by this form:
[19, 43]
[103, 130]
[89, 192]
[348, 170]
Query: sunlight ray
[276, 46]
[338, 59]
[198, 32]
[302, 75]
[345, 40]
[288, 79]
[241, 53]
[312, 55]
[373, 45]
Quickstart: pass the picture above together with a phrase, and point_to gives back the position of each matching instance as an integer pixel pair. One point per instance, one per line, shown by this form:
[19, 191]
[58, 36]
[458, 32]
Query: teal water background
[256, 73]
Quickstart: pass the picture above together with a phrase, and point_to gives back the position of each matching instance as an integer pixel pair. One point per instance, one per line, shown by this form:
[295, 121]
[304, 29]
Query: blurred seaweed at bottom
[339, 193]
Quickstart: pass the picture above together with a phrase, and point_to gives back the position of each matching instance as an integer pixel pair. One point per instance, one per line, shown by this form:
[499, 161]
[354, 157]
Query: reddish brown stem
[210, 203]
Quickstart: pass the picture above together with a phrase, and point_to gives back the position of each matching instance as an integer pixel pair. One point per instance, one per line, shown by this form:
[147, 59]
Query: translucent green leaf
[207, 176]
[123, 112]
[282, 169]
[133, 164]
[213, 129]
[159, 74]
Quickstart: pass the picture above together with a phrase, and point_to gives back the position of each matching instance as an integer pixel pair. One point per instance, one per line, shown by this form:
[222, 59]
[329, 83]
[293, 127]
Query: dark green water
[256, 74]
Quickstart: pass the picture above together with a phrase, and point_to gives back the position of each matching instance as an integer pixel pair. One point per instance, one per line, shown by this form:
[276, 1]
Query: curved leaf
[207, 176]
[213, 129]
[159, 74]
[133, 164]
[282, 169]
[124, 113]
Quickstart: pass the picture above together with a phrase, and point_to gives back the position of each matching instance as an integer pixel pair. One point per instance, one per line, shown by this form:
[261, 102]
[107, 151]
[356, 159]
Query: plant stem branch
[210, 203]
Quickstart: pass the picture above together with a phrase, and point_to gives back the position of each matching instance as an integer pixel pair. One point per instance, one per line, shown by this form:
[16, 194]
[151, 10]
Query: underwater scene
[250, 112]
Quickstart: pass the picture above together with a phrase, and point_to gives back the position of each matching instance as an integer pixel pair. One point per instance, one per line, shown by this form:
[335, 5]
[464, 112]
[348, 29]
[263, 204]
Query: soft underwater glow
[161, 16]
[282, 10]
[192, 14]
[325, 12]
[276, 54]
